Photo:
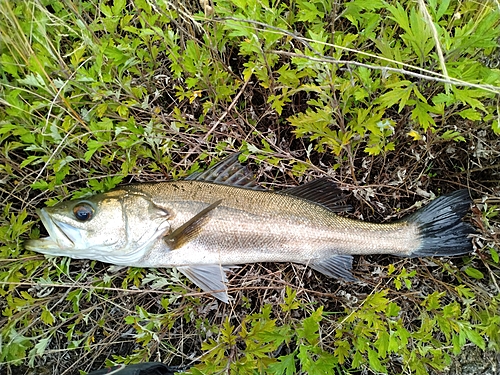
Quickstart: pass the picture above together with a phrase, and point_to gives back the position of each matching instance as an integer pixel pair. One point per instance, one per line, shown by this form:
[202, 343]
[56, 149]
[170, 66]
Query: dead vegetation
[75, 315]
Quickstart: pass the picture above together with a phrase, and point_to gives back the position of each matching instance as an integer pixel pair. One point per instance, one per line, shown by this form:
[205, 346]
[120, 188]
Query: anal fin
[337, 266]
[210, 278]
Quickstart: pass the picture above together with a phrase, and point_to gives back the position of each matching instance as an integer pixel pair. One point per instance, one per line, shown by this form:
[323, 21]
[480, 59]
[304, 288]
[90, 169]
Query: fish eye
[83, 212]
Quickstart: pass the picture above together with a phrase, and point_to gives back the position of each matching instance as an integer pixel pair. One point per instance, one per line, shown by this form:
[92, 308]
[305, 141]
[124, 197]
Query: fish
[218, 219]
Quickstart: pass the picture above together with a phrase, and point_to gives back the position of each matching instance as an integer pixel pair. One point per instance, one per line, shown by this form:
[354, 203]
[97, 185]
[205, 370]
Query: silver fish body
[259, 226]
[222, 218]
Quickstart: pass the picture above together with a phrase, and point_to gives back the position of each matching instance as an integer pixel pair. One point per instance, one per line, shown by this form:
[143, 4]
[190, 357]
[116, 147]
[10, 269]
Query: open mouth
[59, 236]
[58, 231]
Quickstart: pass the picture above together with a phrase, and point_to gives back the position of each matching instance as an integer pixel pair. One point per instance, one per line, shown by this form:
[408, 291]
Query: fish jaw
[63, 239]
[60, 239]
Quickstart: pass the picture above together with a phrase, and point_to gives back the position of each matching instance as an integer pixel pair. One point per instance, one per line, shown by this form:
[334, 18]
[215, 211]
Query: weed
[385, 97]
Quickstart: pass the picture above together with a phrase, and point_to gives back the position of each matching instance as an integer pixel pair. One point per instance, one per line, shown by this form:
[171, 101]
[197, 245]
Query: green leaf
[143, 5]
[290, 302]
[29, 160]
[465, 292]
[475, 338]
[392, 309]
[118, 6]
[342, 350]
[35, 80]
[374, 361]
[310, 327]
[309, 12]
[288, 76]
[443, 98]
[227, 332]
[277, 102]
[9, 65]
[38, 350]
[496, 126]
[92, 147]
[40, 185]
[373, 150]
[443, 7]
[470, 114]
[382, 344]
[494, 255]
[400, 93]
[475, 273]
[451, 310]
[122, 110]
[400, 15]
[469, 96]
[421, 114]
[377, 301]
[106, 9]
[391, 269]
[453, 135]
[357, 359]
[444, 325]
[403, 335]
[285, 365]
[433, 301]
[47, 316]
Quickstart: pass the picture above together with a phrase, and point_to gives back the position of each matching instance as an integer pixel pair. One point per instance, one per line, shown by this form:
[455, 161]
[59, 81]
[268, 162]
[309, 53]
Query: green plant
[384, 96]
[368, 337]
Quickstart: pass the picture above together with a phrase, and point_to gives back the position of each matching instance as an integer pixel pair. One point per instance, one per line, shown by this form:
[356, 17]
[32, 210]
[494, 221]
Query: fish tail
[442, 231]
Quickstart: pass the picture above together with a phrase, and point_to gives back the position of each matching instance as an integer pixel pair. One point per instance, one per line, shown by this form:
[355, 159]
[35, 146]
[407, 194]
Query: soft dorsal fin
[228, 172]
[322, 191]
[189, 229]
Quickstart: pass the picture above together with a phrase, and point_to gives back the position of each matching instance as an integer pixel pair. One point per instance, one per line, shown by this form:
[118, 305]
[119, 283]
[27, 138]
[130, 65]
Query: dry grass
[381, 188]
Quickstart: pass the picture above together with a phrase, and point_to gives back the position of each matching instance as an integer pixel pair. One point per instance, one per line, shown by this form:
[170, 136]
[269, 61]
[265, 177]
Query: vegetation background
[397, 101]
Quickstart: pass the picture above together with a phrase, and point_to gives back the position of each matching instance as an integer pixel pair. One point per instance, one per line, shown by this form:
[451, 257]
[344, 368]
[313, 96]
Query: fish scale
[220, 218]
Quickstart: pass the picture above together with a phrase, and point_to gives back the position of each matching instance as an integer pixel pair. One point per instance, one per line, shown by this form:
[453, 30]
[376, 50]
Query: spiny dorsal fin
[208, 277]
[189, 229]
[322, 191]
[228, 172]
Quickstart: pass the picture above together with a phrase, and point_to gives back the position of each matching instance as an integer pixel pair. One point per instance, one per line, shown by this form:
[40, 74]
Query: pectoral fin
[189, 229]
[337, 266]
[209, 278]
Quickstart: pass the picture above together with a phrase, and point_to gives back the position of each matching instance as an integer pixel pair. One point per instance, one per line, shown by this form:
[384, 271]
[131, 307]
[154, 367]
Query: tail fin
[442, 231]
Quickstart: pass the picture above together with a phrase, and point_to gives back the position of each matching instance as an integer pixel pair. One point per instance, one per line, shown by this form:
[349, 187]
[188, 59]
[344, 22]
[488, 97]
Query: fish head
[116, 227]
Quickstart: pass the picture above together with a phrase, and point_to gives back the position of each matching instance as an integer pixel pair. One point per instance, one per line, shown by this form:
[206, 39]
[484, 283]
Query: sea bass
[220, 218]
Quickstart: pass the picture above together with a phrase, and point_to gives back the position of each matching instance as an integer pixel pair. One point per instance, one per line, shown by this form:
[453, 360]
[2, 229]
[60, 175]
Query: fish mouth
[61, 236]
